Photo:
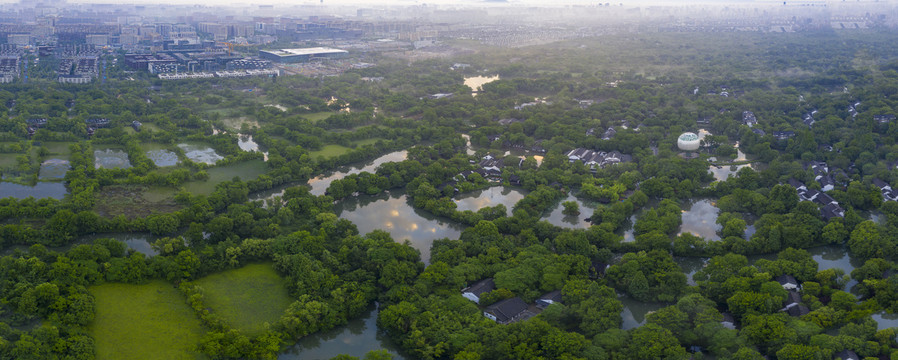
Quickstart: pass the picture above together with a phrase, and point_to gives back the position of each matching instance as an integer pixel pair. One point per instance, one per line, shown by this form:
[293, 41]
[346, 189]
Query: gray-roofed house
[549, 299]
[793, 299]
[749, 119]
[824, 199]
[474, 291]
[729, 321]
[787, 281]
[882, 185]
[888, 194]
[783, 135]
[846, 355]
[798, 310]
[507, 311]
[832, 210]
[509, 121]
[490, 163]
[883, 119]
[826, 182]
[609, 134]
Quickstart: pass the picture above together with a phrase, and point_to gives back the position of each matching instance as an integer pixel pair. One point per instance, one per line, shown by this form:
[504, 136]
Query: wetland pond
[53, 169]
[161, 155]
[723, 172]
[111, 159]
[140, 242]
[200, 153]
[635, 311]
[557, 218]
[356, 338]
[246, 143]
[701, 220]
[392, 213]
[479, 199]
[55, 190]
[320, 183]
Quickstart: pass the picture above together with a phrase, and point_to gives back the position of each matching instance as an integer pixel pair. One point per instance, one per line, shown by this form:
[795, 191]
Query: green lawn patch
[316, 117]
[8, 160]
[151, 321]
[150, 127]
[247, 297]
[246, 170]
[329, 151]
[58, 147]
[159, 193]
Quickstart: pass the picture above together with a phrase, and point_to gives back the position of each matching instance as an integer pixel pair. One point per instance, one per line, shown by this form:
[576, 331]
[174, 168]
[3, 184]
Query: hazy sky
[440, 3]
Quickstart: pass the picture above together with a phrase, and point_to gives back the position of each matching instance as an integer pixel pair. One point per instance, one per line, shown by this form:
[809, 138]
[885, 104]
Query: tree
[571, 208]
[866, 242]
[162, 224]
[654, 342]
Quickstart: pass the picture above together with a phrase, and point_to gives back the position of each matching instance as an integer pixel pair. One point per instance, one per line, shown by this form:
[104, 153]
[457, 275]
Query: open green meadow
[8, 160]
[246, 170]
[58, 147]
[247, 297]
[318, 116]
[151, 321]
[329, 151]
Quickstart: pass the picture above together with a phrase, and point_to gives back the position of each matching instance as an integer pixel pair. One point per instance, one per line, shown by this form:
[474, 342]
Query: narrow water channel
[356, 338]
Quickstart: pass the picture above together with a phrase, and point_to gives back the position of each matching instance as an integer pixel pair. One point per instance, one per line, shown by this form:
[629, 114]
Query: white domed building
[688, 142]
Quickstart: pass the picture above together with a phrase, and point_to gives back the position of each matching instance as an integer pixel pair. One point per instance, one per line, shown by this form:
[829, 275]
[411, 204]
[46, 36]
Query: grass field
[158, 193]
[247, 297]
[149, 321]
[8, 160]
[329, 151]
[247, 170]
[58, 147]
[316, 117]
[149, 126]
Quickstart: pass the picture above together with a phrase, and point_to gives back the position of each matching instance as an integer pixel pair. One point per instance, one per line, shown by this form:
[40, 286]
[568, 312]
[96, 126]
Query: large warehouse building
[301, 55]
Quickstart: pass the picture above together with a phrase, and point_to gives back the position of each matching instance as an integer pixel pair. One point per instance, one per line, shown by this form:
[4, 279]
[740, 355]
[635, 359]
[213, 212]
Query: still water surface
[55, 190]
[393, 213]
[701, 220]
[320, 183]
[111, 159]
[356, 338]
[558, 218]
[479, 199]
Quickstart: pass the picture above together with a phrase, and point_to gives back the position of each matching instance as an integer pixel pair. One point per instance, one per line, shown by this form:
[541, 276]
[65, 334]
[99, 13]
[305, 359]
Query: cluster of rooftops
[515, 309]
[749, 119]
[830, 207]
[597, 159]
